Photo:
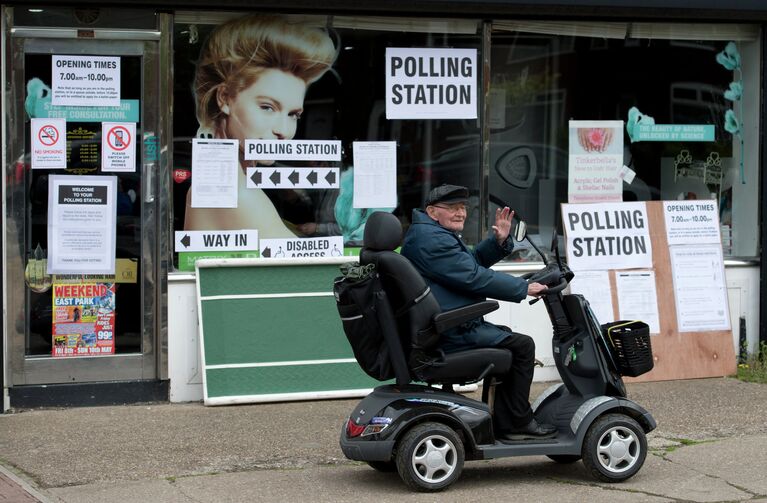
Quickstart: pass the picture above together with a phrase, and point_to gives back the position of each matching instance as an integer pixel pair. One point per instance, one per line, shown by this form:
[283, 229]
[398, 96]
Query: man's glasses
[452, 208]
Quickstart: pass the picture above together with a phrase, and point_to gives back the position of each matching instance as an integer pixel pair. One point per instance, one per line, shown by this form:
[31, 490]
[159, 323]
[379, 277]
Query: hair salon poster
[83, 319]
[596, 160]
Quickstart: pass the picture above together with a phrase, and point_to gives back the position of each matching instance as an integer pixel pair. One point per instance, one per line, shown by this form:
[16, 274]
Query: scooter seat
[467, 366]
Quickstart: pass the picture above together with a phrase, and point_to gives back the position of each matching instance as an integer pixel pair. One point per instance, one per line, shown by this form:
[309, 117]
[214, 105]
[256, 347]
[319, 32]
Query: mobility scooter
[426, 431]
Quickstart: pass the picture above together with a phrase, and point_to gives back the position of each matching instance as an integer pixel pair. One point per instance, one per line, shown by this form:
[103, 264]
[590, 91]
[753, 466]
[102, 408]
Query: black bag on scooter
[368, 320]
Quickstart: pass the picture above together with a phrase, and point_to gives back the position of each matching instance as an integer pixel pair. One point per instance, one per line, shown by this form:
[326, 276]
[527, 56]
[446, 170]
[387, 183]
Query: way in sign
[238, 240]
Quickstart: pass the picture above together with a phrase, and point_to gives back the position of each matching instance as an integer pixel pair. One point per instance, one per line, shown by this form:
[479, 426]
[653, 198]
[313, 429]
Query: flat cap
[447, 194]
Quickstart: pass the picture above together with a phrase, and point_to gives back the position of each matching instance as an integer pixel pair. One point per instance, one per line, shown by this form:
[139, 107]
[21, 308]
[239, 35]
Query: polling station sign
[292, 150]
[428, 83]
[607, 236]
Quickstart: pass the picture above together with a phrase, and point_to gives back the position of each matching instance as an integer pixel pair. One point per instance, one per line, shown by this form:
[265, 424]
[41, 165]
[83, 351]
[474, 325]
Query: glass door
[82, 276]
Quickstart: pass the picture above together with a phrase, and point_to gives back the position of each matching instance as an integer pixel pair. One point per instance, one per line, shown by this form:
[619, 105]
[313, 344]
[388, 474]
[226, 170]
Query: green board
[270, 331]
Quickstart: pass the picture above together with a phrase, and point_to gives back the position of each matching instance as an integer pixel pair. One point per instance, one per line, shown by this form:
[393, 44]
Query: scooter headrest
[383, 232]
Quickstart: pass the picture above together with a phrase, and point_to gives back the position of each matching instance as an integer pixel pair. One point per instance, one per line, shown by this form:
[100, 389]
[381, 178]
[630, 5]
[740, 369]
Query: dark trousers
[512, 405]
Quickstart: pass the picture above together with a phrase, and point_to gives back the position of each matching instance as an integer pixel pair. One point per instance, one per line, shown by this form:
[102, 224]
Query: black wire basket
[630, 345]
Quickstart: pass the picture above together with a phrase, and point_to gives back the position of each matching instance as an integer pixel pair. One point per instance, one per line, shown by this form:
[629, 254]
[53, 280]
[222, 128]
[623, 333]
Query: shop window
[546, 73]
[347, 103]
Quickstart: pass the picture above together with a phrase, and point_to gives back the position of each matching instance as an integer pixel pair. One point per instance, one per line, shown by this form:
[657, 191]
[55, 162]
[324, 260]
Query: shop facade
[109, 114]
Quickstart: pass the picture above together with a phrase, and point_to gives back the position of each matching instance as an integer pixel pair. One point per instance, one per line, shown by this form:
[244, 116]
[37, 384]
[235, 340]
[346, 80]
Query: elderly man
[459, 276]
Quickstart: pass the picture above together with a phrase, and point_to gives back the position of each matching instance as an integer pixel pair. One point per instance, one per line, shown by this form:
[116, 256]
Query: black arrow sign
[186, 240]
[267, 252]
[312, 177]
[331, 177]
[294, 177]
[256, 177]
[275, 177]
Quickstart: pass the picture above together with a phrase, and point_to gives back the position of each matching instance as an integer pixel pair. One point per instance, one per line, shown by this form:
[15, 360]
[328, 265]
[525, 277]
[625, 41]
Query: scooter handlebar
[552, 290]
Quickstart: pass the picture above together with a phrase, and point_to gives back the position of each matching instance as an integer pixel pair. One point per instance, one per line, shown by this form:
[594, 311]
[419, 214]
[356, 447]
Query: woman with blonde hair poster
[250, 83]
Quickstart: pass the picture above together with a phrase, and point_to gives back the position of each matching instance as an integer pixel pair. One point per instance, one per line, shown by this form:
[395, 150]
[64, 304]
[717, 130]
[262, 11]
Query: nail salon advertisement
[596, 160]
[81, 224]
[431, 83]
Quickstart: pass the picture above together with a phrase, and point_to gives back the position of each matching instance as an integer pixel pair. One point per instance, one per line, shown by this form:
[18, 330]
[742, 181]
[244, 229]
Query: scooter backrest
[410, 298]
[383, 231]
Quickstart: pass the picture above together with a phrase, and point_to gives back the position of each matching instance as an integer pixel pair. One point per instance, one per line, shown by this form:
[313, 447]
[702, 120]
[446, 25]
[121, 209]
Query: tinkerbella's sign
[607, 236]
[431, 83]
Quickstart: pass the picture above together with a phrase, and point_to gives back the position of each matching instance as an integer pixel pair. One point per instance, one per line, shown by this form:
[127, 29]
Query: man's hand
[536, 289]
[502, 227]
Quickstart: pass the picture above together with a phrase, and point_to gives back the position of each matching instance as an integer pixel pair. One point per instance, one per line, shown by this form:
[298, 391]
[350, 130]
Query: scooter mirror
[520, 231]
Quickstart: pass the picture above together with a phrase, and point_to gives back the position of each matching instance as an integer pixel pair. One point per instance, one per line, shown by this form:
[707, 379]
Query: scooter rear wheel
[430, 457]
[615, 448]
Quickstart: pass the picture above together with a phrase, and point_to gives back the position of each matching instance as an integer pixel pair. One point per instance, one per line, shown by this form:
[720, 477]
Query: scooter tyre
[614, 448]
[430, 457]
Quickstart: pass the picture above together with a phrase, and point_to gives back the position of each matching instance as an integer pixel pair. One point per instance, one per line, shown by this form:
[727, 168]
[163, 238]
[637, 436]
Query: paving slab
[740, 461]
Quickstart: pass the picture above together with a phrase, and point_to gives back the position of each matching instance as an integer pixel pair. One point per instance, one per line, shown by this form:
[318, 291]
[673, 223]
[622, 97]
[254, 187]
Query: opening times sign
[85, 81]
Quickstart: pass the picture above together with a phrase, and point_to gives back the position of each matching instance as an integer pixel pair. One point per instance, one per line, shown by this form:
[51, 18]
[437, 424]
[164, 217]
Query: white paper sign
[118, 146]
[692, 222]
[607, 236]
[700, 289]
[375, 174]
[596, 162]
[85, 81]
[81, 224]
[196, 241]
[330, 246]
[49, 143]
[292, 178]
[431, 83]
[595, 286]
[638, 298]
[293, 150]
[214, 173]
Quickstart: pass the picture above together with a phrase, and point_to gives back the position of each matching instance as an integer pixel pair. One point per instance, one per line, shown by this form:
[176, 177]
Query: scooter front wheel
[615, 448]
[430, 457]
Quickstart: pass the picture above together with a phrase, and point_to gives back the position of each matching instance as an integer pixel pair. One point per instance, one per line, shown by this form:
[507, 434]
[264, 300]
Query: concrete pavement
[710, 446]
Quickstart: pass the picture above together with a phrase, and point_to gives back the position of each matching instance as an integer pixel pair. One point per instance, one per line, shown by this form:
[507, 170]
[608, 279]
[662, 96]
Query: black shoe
[532, 431]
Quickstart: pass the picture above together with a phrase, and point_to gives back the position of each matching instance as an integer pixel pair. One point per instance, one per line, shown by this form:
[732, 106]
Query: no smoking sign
[48, 135]
[118, 150]
[49, 143]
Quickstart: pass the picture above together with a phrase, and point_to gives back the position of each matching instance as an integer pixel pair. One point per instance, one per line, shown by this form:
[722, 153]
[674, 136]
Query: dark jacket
[459, 276]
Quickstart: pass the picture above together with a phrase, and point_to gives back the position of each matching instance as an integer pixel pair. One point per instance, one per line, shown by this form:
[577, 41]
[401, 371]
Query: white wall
[184, 363]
